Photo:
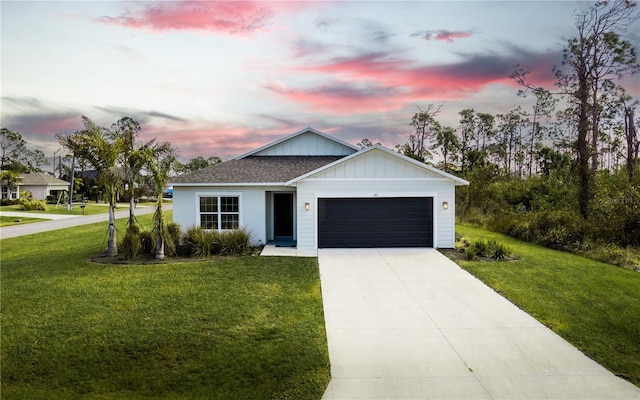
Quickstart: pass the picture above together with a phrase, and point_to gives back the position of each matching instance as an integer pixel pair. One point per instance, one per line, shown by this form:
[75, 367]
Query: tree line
[566, 164]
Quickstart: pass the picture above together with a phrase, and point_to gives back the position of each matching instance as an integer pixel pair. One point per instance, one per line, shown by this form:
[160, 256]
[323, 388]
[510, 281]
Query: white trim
[417, 180]
[339, 195]
[293, 135]
[223, 194]
[458, 181]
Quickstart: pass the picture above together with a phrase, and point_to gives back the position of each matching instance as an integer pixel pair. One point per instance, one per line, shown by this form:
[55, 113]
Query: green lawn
[225, 328]
[89, 209]
[8, 221]
[593, 305]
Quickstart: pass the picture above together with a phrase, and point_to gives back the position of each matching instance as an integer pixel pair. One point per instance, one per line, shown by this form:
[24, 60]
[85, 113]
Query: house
[320, 192]
[38, 184]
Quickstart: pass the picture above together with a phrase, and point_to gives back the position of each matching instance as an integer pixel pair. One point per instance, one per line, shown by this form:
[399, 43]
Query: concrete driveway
[410, 324]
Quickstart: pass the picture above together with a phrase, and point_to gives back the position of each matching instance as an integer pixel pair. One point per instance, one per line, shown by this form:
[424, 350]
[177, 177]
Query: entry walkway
[411, 324]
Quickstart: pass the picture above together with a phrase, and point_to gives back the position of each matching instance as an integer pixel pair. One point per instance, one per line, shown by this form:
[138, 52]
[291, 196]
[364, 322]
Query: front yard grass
[76, 209]
[8, 221]
[222, 328]
[593, 305]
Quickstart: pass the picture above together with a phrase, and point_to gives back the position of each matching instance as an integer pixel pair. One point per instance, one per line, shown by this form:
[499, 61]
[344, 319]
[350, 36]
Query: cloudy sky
[221, 78]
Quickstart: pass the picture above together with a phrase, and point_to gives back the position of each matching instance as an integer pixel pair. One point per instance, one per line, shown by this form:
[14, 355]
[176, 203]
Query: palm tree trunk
[112, 247]
[132, 216]
[158, 221]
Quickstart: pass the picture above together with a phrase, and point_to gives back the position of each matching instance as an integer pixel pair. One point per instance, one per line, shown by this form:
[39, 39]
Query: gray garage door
[375, 222]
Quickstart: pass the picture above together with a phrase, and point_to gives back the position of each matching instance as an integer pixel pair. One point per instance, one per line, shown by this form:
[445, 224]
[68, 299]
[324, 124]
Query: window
[219, 212]
[9, 194]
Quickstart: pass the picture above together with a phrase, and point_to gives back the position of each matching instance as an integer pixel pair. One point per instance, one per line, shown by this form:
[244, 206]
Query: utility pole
[54, 162]
[73, 161]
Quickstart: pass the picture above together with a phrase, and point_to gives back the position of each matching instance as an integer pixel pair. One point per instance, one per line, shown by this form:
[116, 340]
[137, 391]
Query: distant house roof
[256, 169]
[40, 179]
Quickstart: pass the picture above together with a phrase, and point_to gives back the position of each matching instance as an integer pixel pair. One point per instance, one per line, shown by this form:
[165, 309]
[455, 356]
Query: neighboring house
[320, 192]
[38, 184]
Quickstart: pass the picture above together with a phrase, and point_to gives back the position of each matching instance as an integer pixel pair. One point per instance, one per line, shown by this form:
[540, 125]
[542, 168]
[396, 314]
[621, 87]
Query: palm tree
[160, 160]
[131, 158]
[101, 150]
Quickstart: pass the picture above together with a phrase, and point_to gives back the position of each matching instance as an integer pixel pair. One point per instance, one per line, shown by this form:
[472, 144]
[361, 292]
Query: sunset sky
[221, 78]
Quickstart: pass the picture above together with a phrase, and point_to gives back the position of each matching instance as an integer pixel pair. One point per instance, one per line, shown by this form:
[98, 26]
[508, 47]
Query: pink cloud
[380, 82]
[231, 17]
[442, 35]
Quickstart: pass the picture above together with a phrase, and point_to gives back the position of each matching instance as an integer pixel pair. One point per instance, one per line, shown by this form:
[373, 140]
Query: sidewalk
[65, 221]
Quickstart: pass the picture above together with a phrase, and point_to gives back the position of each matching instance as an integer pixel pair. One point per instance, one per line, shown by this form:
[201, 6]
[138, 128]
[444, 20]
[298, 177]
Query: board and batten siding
[376, 174]
[376, 164]
[307, 144]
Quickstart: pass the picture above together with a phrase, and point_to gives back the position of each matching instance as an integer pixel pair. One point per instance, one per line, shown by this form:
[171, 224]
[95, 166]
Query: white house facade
[315, 191]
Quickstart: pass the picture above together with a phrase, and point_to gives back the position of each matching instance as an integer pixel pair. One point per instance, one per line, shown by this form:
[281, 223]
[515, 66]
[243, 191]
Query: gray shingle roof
[257, 169]
[40, 179]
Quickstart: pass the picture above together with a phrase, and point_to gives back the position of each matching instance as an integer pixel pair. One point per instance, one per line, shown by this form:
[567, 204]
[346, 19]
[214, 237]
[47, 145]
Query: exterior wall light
[445, 205]
[307, 206]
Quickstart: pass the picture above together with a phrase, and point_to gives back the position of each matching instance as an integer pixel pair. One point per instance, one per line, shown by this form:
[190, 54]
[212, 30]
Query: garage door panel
[375, 222]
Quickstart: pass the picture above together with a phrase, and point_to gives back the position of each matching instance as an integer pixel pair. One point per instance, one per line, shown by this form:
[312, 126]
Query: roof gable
[307, 142]
[378, 162]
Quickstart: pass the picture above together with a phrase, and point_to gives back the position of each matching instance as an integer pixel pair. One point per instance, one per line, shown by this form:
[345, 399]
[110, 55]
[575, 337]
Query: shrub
[234, 242]
[470, 253]
[480, 247]
[498, 250]
[172, 238]
[198, 241]
[147, 242]
[131, 244]
[32, 205]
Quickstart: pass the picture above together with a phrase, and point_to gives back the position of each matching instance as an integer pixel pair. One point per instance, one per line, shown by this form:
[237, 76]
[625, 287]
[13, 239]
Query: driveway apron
[411, 324]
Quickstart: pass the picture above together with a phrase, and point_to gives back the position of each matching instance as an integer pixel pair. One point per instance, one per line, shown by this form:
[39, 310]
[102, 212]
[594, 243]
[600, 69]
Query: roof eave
[225, 184]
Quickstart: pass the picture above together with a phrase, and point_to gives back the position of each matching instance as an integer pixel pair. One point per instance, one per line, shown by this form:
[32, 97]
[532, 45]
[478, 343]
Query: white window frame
[219, 213]
[9, 193]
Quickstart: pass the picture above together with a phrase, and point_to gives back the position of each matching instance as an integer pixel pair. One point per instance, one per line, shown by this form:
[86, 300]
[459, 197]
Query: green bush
[498, 250]
[9, 202]
[172, 238]
[32, 205]
[130, 245]
[480, 247]
[201, 242]
[234, 242]
[137, 241]
[198, 241]
[470, 253]
[147, 242]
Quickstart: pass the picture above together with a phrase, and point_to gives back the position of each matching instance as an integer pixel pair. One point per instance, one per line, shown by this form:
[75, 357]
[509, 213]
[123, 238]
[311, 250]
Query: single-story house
[38, 184]
[320, 192]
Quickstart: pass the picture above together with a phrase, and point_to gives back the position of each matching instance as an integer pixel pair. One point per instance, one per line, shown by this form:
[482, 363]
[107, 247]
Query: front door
[283, 215]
